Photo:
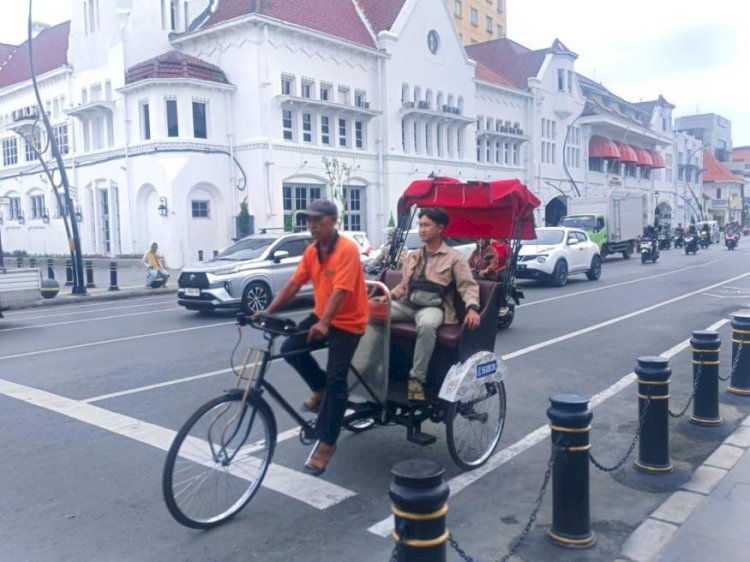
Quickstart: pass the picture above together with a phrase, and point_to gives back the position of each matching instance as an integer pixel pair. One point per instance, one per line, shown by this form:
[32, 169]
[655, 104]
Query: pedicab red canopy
[491, 209]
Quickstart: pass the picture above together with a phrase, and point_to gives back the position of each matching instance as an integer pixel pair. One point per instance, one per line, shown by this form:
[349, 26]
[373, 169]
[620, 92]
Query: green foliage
[391, 222]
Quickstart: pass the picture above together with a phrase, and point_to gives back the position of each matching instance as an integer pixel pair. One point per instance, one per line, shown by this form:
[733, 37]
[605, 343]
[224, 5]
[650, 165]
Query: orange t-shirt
[341, 269]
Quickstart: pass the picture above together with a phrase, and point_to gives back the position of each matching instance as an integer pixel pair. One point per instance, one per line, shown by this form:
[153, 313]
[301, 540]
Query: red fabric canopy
[628, 154]
[644, 158]
[476, 209]
[600, 147]
[658, 160]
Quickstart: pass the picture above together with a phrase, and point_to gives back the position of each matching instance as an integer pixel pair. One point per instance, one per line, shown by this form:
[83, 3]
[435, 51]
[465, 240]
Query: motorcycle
[679, 240]
[691, 244]
[664, 241]
[705, 240]
[648, 250]
[731, 239]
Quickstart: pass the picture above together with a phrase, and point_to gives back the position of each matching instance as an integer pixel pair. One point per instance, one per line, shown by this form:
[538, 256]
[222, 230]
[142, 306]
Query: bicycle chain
[629, 452]
[692, 395]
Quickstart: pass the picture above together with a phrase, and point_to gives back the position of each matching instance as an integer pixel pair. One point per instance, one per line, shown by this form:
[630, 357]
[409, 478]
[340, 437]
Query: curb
[102, 295]
[650, 537]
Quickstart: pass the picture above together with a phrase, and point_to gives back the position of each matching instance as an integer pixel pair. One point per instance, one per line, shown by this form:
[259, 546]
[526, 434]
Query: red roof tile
[483, 72]
[741, 153]
[338, 18]
[381, 13]
[713, 170]
[50, 52]
[175, 64]
[513, 62]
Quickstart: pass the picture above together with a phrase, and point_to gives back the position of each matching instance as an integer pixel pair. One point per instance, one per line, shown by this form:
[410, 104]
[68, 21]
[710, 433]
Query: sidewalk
[707, 518]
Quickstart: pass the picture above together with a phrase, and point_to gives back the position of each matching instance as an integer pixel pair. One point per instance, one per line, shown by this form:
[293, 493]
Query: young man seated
[431, 277]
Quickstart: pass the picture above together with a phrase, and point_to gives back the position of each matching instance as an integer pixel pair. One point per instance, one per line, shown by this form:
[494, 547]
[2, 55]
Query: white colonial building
[171, 113]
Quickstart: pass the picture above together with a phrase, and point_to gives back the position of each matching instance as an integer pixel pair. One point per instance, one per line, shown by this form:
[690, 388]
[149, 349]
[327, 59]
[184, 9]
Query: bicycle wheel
[474, 425]
[218, 460]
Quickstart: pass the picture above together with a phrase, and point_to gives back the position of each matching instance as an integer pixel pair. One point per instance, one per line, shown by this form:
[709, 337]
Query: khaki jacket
[444, 266]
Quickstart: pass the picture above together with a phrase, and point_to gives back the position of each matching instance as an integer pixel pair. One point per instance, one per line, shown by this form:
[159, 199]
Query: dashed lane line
[457, 483]
[106, 309]
[68, 322]
[74, 304]
[315, 492]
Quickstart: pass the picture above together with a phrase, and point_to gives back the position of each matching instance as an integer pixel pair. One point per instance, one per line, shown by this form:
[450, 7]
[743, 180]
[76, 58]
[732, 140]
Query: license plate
[192, 292]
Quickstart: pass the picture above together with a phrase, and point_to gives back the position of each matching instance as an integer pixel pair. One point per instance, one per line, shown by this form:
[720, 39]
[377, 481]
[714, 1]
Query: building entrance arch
[555, 210]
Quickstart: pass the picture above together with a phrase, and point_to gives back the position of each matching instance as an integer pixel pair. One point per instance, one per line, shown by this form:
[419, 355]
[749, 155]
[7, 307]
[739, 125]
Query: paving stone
[647, 540]
[678, 507]
[746, 421]
[726, 456]
[740, 438]
[705, 479]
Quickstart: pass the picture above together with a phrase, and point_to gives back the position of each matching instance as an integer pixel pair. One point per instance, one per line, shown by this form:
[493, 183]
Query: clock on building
[433, 41]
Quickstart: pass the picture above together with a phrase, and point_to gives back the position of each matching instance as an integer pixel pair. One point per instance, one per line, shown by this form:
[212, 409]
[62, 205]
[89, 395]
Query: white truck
[614, 222]
[19, 287]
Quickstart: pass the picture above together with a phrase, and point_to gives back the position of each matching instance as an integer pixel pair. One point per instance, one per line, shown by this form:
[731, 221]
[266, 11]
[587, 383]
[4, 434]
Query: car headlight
[226, 271]
[542, 258]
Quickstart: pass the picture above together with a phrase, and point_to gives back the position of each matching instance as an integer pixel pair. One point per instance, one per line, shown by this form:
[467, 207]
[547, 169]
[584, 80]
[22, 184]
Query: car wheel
[255, 297]
[595, 272]
[560, 274]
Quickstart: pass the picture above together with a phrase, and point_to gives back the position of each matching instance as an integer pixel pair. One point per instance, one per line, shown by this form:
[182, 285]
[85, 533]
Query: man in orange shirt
[340, 316]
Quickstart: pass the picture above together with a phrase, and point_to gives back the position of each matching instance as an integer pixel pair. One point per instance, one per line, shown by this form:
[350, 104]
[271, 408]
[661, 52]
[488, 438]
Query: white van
[713, 229]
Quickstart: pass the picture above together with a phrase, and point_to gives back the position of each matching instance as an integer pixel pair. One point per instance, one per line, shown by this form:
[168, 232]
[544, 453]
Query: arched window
[404, 93]
[417, 94]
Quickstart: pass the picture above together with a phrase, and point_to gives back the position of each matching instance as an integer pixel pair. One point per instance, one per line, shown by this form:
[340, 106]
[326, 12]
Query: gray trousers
[428, 320]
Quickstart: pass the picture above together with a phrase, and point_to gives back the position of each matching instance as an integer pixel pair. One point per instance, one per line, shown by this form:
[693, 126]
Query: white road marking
[614, 285]
[611, 321]
[113, 340]
[457, 483]
[67, 322]
[106, 309]
[77, 305]
[313, 491]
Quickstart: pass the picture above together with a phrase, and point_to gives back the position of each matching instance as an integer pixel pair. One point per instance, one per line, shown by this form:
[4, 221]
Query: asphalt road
[91, 395]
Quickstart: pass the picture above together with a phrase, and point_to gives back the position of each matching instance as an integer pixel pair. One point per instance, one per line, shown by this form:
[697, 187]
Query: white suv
[557, 253]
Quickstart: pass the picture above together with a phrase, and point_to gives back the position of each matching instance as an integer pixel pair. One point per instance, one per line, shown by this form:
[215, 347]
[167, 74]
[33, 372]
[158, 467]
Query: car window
[295, 247]
[545, 238]
[586, 222]
[581, 236]
[245, 249]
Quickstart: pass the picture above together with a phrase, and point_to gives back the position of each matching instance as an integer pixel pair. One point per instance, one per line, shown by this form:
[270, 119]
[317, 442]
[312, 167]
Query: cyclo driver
[340, 317]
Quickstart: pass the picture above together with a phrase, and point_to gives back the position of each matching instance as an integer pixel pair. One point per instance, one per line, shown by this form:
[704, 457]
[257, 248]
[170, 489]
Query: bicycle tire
[210, 460]
[460, 409]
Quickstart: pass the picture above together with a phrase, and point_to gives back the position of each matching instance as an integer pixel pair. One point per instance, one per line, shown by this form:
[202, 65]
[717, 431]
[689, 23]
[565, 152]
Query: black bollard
[200, 255]
[216, 253]
[113, 276]
[51, 268]
[740, 381]
[90, 274]
[19, 262]
[706, 346]
[570, 425]
[653, 411]
[32, 262]
[50, 288]
[68, 273]
[419, 496]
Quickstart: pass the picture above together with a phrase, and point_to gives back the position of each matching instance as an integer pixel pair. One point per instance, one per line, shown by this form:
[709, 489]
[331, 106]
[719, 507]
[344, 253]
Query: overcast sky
[696, 54]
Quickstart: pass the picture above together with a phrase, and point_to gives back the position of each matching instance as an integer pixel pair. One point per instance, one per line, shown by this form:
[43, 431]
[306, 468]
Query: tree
[391, 222]
[338, 174]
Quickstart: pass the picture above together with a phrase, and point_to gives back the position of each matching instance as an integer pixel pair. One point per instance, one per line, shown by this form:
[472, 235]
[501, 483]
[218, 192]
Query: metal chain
[460, 551]
[692, 394]
[629, 452]
[734, 363]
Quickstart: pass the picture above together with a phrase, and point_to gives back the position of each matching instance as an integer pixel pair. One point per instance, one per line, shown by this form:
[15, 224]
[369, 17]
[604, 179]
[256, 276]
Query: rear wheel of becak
[475, 424]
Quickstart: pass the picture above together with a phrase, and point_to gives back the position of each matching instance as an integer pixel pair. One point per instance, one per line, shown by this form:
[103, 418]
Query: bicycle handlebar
[271, 323]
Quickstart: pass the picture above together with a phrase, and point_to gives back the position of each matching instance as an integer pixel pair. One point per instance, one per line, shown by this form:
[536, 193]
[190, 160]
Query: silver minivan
[246, 275]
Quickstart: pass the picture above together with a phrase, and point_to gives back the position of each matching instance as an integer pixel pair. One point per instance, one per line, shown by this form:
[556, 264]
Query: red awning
[644, 157]
[628, 154]
[600, 147]
[658, 160]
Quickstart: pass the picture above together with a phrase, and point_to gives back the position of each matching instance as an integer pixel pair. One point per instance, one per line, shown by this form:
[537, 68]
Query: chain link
[734, 363]
[696, 380]
[629, 452]
[460, 551]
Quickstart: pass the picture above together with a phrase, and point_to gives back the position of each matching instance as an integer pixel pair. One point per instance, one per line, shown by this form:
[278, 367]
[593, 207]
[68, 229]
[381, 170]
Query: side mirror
[279, 255]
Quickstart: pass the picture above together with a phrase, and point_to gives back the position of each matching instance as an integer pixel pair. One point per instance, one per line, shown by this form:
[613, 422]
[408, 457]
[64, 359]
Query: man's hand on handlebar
[472, 319]
[318, 331]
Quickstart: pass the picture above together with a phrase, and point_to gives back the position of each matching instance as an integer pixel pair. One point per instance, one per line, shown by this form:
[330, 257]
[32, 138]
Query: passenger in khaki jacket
[444, 266]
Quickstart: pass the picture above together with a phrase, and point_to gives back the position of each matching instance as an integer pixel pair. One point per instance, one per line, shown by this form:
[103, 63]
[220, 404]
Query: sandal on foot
[319, 458]
[416, 390]
[313, 402]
